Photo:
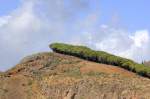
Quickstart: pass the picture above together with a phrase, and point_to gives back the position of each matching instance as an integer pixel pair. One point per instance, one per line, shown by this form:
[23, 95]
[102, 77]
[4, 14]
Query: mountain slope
[57, 76]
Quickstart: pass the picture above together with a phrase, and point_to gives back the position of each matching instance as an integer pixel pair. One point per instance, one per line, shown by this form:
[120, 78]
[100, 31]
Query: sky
[120, 27]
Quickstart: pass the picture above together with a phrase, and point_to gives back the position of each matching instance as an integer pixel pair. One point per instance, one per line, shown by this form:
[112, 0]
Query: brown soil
[95, 67]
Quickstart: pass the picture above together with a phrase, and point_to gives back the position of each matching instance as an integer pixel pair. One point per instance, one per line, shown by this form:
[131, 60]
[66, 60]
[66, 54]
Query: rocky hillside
[57, 76]
[50, 75]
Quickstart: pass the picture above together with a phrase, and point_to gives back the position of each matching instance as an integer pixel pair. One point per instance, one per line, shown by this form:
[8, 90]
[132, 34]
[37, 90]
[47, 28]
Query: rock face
[56, 76]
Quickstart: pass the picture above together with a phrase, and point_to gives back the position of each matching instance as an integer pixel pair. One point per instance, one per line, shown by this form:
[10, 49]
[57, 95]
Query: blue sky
[133, 14]
[6, 6]
[120, 27]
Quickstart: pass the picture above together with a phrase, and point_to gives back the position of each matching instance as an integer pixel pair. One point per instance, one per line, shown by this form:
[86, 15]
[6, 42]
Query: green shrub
[101, 57]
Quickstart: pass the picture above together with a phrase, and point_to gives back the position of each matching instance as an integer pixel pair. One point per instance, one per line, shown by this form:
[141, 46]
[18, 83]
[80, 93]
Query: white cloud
[36, 23]
[19, 25]
[140, 38]
[122, 43]
[140, 49]
[4, 20]
[33, 25]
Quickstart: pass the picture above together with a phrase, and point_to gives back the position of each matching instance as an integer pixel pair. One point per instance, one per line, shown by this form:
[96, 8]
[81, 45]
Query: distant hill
[51, 75]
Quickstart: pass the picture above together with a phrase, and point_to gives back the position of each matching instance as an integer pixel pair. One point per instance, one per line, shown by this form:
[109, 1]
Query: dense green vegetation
[101, 57]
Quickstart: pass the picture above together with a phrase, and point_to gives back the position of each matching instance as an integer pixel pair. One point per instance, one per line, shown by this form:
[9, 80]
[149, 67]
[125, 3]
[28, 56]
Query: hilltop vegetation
[101, 57]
